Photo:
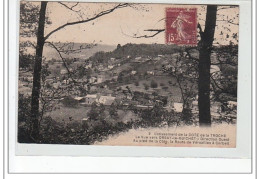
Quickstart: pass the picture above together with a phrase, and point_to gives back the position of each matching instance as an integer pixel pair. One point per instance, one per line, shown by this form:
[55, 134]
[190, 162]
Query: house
[100, 79]
[115, 78]
[195, 106]
[80, 99]
[215, 107]
[85, 119]
[106, 100]
[56, 85]
[63, 71]
[88, 66]
[138, 58]
[178, 107]
[232, 104]
[156, 58]
[100, 67]
[150, 72]
[89, 99]
[93, 79]
[110, 67]
[214, 69]
[133, 72]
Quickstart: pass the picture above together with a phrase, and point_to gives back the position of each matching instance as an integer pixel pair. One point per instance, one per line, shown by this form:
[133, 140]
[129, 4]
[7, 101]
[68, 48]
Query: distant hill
[50, 53]
[134, 50]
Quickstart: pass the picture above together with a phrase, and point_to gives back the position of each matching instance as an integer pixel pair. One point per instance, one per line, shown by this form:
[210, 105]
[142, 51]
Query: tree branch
[64, 62]
[102, 13]
[229, 21]
[157, 31]
[200, 30]
[226, 7]
[70, 8]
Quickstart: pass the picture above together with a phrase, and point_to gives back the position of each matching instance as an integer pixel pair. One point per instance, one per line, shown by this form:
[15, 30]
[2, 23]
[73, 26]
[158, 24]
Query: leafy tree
[96, 112]
[33, 22]
[113, 111]
[154, 84]
[204, 47]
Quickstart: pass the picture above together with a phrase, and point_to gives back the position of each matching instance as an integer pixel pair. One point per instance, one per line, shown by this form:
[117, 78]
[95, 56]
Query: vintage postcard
[123, 74]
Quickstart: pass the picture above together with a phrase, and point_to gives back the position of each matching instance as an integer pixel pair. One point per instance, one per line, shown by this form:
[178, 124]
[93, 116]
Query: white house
[110, 67]
[231, 104]
[93, 79]
[88, 66]
[195, 106]
[178, 107]
[100, 79]
[63, 71]
[89, 99]
[133, 72]
[150, 72]
[214, 69]
[106, 100]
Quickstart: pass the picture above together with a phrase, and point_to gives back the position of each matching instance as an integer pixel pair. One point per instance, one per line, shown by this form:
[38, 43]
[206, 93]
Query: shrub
[146, 87]
[23, 108]
[165, 87]
[69, 102]
[154, 84]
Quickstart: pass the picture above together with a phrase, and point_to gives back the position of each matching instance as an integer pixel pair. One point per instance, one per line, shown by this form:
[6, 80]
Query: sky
[120, 26]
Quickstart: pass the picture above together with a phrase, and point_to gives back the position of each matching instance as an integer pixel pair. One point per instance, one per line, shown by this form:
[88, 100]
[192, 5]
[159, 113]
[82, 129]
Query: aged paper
[127, 74]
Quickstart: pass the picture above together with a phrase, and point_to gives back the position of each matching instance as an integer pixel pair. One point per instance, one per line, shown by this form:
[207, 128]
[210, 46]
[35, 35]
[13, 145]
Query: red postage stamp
[181, 26]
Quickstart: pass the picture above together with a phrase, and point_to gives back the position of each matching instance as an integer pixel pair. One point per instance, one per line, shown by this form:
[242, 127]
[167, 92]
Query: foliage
[185, 71]
[69, 102]
[96, 112]
[146, 86]
[113, 111]
[154, 84]
[23, 108]
[26, 61]
[224, 82]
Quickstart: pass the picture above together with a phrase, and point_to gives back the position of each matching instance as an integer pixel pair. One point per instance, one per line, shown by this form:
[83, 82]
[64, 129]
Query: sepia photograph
[128, 74]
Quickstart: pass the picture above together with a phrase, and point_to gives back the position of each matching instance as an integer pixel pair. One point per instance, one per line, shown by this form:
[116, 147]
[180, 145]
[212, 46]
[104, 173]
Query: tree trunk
[37, 74]
[205, 47]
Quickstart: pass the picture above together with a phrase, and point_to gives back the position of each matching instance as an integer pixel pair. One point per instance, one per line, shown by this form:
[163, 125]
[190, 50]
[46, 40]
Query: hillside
[50, 53]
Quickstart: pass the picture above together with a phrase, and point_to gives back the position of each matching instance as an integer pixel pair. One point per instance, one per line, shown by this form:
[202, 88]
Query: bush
[69, 102]
[136, 83]
[154, 84]
[24, 108]
[146, 87]
[165, 87]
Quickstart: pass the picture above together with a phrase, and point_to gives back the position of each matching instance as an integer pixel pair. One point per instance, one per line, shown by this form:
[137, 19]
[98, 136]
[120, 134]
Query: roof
[91, 96]
[85, 119]
[107, 100]
[78, 98]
